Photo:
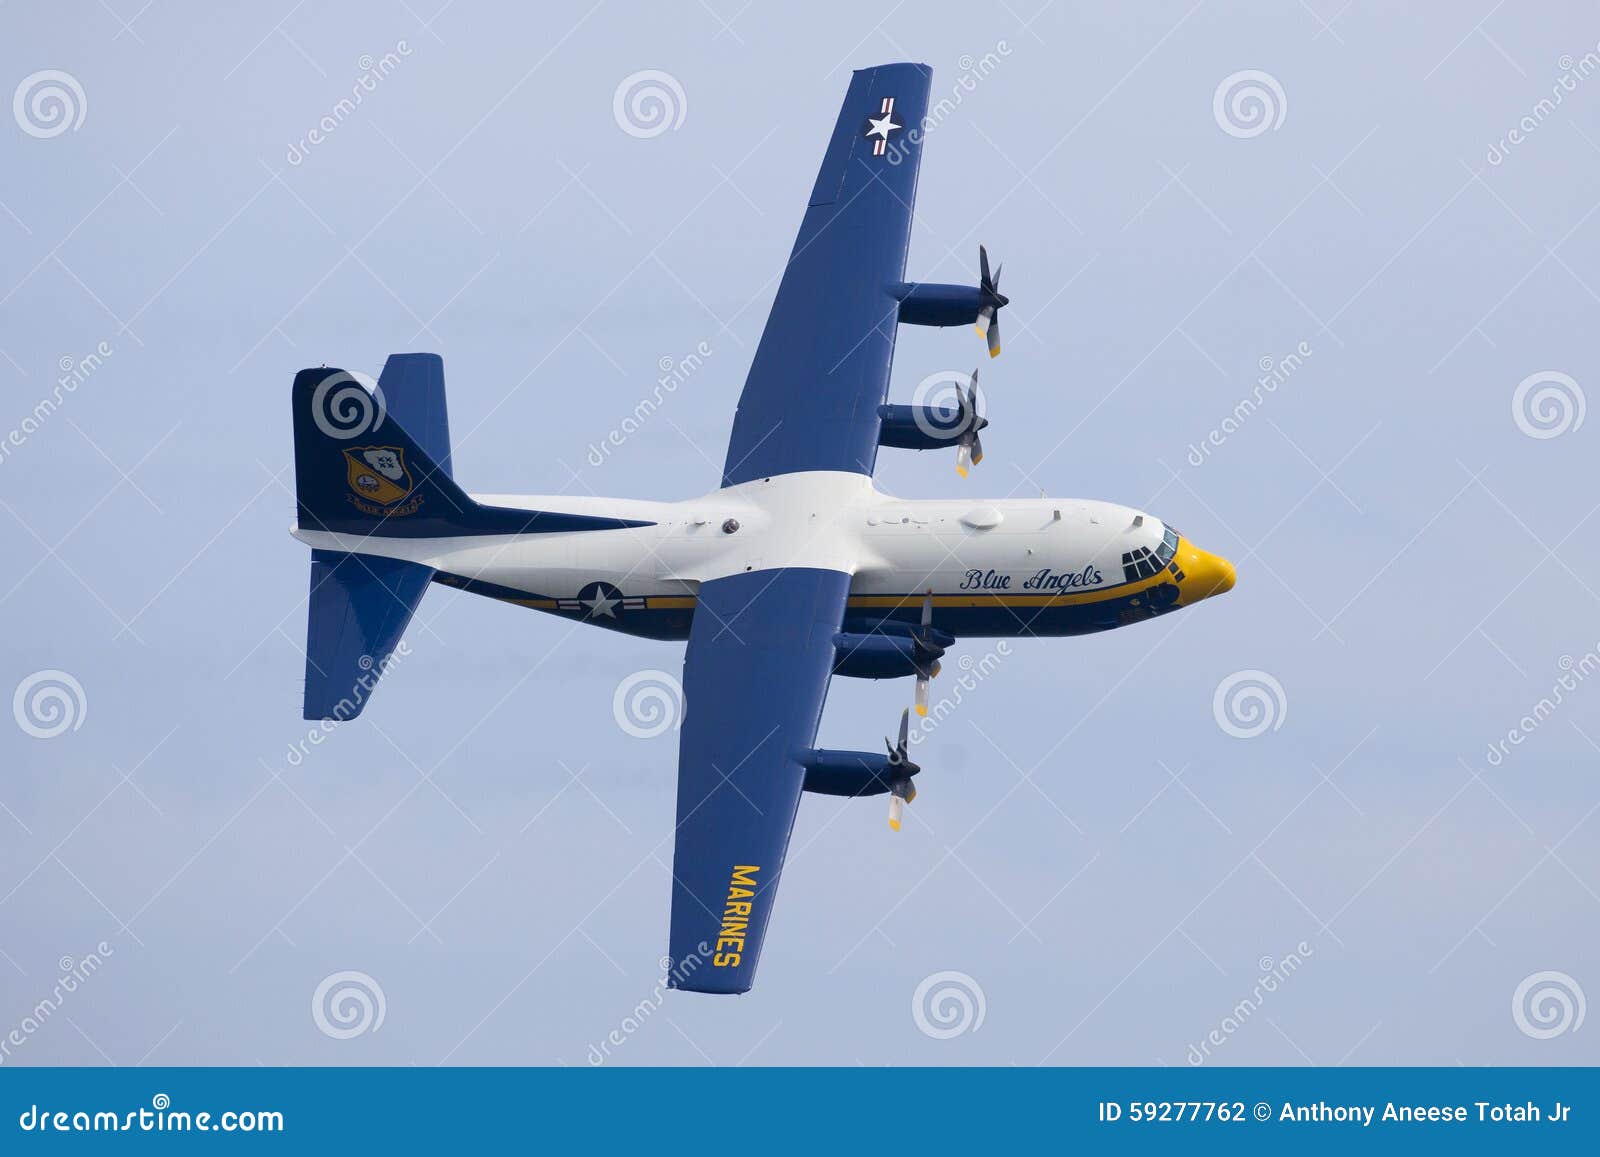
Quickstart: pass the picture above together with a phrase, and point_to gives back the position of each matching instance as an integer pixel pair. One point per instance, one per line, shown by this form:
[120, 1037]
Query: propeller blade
[905, 732]
[922, 693]
[901, 792]
[990, 299]
[977, 449]
[927, 609]
[933, 671]
[964, 456]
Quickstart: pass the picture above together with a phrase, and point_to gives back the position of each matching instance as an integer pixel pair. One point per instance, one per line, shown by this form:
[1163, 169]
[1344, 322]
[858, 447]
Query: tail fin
[359, 471]
[377, 464]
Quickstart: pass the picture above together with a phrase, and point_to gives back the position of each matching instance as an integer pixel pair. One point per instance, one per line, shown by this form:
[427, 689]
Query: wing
[754, 679]
[822, 368]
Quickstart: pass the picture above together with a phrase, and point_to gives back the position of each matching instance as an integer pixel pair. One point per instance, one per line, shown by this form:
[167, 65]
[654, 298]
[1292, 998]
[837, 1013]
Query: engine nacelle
[874, 656]
[929, 303]
[920, 427]
[848, 773]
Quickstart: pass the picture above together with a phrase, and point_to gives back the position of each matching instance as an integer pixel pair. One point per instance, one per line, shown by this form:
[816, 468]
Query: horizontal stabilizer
[360, 605]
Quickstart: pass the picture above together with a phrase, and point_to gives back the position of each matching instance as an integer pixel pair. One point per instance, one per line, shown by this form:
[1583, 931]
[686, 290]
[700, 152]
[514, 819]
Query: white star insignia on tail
[881, 126]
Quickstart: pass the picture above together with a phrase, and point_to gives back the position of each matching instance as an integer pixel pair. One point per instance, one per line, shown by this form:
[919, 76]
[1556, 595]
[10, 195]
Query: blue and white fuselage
[1000, 567]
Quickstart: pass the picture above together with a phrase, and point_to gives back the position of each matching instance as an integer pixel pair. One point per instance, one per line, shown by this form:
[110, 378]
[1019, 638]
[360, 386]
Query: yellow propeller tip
[979, 330]
[921, 710]
[894, 825]
[961, 472]
[994, 353]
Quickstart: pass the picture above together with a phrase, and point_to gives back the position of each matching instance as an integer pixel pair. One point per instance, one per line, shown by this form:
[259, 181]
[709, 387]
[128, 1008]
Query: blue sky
[1091, 849]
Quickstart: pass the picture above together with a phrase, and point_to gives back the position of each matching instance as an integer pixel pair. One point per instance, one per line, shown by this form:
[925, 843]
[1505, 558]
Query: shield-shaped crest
[378, 474]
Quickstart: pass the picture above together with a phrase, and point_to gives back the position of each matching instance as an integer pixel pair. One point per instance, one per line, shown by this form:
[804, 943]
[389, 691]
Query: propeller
[990, 300]
[901, 790]
[927, 653]
[969, 451]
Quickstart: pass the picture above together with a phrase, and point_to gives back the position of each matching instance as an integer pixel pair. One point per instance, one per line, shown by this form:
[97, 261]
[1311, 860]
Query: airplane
[794, 570]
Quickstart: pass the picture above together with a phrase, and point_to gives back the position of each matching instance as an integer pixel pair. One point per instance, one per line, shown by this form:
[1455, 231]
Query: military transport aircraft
[795, 570]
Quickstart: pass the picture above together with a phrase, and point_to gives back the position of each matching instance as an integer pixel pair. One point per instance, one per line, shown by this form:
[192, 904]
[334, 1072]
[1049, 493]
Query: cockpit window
[1144, 562]
[1168, 549]
[1140, 564]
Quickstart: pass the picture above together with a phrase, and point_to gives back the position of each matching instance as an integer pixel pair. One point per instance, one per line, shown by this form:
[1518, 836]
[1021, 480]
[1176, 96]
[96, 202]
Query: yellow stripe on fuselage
[959, 599]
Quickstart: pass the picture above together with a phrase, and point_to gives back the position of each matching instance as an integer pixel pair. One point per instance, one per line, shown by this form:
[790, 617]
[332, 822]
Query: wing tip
[896, 64]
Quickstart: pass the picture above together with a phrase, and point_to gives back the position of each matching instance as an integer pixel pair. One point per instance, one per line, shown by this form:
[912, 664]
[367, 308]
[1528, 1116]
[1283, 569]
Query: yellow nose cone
[1204, 574]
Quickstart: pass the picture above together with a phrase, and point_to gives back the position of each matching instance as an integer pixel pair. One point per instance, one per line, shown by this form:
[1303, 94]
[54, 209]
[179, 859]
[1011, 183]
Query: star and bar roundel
[881, 126]
[601, 600]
